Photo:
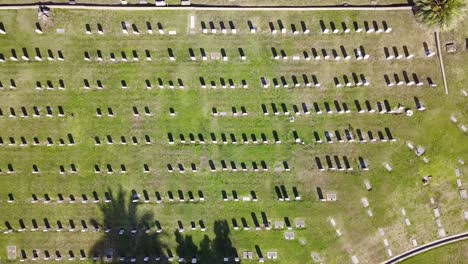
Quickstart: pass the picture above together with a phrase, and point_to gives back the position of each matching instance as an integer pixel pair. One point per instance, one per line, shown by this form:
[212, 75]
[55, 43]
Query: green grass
[453, 253]
[224, 2]
[391, 191]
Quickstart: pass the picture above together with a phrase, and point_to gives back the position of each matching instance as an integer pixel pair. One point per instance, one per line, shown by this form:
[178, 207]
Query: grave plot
[375, 26]
[49, 85]
[296, 81]
[359, 135]
[38, 55]
[253, 166]
[122, 140]
[221, 54]
[222, 83]
[34, 111]
[35, 141]
[145, 27]
[352, 80]
[225, 138]
[407, 79]
[183, 88]
[319, 54]
[343, 107]
[234, 111]
[339, 163]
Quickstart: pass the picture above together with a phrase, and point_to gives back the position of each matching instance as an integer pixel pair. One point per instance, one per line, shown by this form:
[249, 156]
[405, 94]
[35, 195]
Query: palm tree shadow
[218, 250]
[126, 234]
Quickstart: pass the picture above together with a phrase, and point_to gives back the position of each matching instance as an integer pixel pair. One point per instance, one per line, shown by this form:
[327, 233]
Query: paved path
[209, 7]
[429, 246]
[441, 61]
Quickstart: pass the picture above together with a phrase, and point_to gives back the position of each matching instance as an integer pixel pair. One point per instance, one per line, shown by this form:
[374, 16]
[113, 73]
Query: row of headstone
[394, 54]
[193, 226]
[55, 255]
[122, 140]
[122, 168]
[171, 196]
[9, 170]
[366, 26]
[283, 30]
[11, 86]
[231, 166]
[349, 136]
[302, 81]
[234, 111]
[215, 56]
[265, 223]
[462, 127]
[49, 85]
[48, 226]
[38, 55]
[72, 199]
[83, 226]
[112, 56]
[124, 258]
[23, 142]
[352, 81]
[36, 112]
[134, 28]
[180, 167]
[73, 169]
[259, 224]
[123, 56]
[89, 31]
[171, 84]
[225, 138]
[235, 197]
[406, 80]
[110, 112]
[210, 27]
[340, 108]
[62, 199]
[282, 193]
[223, 83]
[341, 164]
[381, 107]
[359, 54]
[70, 256]
[136, 112]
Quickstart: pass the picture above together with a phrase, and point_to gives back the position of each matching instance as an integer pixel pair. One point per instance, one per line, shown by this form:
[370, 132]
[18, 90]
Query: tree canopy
[440, 15]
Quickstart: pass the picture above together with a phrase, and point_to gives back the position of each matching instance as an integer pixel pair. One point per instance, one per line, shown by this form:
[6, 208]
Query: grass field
[455, 253]
[224, 2]
[391, 191]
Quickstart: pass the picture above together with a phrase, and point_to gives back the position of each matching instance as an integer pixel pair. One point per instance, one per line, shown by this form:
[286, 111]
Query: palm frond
[440, 15]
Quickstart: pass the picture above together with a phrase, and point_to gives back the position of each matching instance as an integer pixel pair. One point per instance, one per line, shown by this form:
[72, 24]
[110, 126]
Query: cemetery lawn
[453, 253]
[391, 191]
[226, 3]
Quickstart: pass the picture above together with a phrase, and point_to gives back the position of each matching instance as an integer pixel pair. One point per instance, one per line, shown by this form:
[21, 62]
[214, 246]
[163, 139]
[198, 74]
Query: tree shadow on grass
[126, 233]
[209, 251]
